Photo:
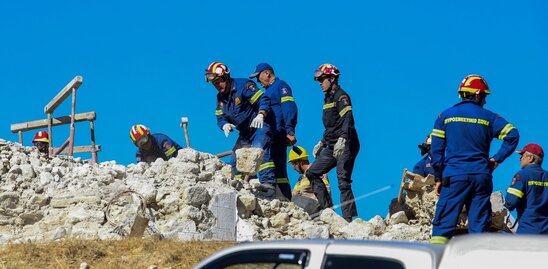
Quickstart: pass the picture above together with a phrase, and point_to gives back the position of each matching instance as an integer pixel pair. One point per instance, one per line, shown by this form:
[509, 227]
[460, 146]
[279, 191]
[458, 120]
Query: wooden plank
[63, 94]
[37, 124]
[81, 149]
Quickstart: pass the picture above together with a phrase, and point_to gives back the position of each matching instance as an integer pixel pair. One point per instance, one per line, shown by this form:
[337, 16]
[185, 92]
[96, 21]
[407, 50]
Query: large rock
[248, 160]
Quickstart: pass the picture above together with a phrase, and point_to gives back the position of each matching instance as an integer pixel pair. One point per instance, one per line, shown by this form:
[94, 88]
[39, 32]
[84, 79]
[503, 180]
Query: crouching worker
[41, 142]
[302, 194]
[152, 146]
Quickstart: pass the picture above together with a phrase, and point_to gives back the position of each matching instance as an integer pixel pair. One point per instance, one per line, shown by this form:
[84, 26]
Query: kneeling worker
[302, 194]
[152, 146]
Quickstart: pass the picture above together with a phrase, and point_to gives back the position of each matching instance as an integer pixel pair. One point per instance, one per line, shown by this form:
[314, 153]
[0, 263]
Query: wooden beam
[37, 124]
[81, 149]
[63, 94]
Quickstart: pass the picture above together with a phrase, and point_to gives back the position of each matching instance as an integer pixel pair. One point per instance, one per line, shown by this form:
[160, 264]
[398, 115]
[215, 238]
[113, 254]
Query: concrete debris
[191, 197]
[248, 160]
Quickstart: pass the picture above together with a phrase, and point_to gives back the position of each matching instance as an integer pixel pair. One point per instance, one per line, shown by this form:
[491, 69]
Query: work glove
[257, 121]
[317, 149]
[339, 147]
[227, 128]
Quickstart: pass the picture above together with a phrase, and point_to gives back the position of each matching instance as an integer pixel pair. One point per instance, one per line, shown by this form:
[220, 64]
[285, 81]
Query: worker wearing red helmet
[41, 141]
[528, 192]
[242, 106]
[339, 145]
[152, 146]
[461, 140]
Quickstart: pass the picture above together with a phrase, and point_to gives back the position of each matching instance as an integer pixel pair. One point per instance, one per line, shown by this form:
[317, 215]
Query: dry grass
[130, 253]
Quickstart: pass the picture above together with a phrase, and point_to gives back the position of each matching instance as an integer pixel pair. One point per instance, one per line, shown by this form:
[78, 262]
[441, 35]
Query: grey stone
[280, 220]
[358, 229]
[398, 217]
[335, 221]
[196, 196]
[379, 226]
[59, 233]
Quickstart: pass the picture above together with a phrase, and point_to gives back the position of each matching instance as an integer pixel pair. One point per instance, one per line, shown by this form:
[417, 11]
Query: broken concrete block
[223, 207]
[398, 217]
[248, 160]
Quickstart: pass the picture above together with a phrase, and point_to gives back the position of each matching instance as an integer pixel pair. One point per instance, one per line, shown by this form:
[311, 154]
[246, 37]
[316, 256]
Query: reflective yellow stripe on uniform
[266, 165]
[170, 151]
[218, 112]
[297, 186]
[346, 109]
[287, 99]
[440, 240]
[329, 105]
[505, 131]
[282, 180]
[515, 192]
[256, 97]
[438, 133]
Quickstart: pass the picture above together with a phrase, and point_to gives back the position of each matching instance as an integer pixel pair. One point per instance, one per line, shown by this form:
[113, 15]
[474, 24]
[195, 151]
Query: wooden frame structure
[69, 89]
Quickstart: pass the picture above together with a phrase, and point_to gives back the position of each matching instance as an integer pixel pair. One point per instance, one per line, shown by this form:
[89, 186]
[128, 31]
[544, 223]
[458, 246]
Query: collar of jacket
[225, 96]
[467, 101]
[333, 90]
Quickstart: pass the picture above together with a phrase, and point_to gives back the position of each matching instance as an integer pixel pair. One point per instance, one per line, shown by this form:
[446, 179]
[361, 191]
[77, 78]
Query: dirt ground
[130, 253]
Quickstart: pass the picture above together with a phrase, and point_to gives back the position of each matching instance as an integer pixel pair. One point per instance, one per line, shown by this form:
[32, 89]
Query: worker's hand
[257, 121]
[317, 149]
[438, 187]
[227, 128]
[493, 164]
[339, 147]
[290, 140]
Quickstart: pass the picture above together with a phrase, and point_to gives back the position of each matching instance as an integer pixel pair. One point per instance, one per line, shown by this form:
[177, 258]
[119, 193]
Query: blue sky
[401, 63]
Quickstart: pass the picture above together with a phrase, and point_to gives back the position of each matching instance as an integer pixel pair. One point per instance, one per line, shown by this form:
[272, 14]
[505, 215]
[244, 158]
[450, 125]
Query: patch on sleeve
[251, 86]
[516, 178]
[237, 101]
[285, 91]
[344, 100]
[167, 145]
[220, 104]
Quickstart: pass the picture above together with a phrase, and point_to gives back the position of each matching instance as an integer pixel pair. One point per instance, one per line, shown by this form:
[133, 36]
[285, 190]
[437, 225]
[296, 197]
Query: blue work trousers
[457, 191]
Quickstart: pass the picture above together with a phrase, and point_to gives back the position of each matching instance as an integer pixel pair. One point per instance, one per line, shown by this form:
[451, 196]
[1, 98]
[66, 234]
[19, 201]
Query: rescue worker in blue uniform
[284, 110]
[528, 193]
[152, 146]
[339, 146]
[424, 166]
[461, 140]
[241, 106]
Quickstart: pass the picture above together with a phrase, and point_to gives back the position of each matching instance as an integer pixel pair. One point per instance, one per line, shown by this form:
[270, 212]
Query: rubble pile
[191, 197]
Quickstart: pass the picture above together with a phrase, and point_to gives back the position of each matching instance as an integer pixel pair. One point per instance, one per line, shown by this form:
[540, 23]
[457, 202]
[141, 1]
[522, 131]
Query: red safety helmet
[41, 136]
[138, 131]
[474, 84]
[216, 70]
[326, 70]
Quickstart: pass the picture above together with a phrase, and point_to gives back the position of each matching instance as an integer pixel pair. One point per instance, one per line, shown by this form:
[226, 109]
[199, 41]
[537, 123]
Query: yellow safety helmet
[294, 154]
